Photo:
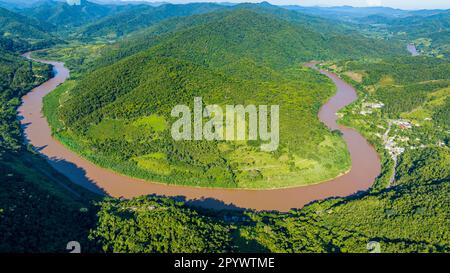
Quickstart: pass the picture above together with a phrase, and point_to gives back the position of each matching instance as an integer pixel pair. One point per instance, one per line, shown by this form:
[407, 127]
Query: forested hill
[93, 21]
[262, 31]
[269, 39]
[427, 29]
[429, 33]
[141, 17]
[64, 16]
[238, 56]
[18, 76]
[19, 33]
[349, 13]
[236, 40]
[137, 19]
[415, 24]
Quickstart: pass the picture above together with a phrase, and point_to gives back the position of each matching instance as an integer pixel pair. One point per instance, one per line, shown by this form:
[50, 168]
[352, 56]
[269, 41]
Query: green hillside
[316, 33]
[256, 57]
[20, 33]
[419, 26]
[141, 17]
[115, 111]
[428, 30]
[64, 17]
[17, 76]
[406, 215]
[170, 221]
[402, 219]
[144, 37]
[429, 33]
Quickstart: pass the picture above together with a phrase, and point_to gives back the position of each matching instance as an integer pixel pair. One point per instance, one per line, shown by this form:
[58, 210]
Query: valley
[365, 162]
[87, 152]
[92, 121]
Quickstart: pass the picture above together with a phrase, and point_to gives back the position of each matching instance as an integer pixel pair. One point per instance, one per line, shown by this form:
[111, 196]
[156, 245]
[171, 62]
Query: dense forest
[141, 17]
[408, 214]
[408, 218]
[19, 33]
[405, 216]
[63, 18]
[114, 111]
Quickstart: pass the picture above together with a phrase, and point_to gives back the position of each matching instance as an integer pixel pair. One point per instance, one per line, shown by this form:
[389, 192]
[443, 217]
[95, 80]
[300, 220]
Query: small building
[403, 124]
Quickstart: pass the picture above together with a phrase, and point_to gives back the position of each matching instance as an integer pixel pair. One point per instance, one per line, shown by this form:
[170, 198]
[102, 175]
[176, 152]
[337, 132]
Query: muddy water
[365, 161]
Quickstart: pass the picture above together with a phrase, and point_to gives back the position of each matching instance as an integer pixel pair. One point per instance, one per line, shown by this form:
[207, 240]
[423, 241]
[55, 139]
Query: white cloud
[374, 3]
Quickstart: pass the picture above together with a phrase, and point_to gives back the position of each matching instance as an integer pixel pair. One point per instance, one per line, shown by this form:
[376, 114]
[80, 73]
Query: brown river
[365, 161]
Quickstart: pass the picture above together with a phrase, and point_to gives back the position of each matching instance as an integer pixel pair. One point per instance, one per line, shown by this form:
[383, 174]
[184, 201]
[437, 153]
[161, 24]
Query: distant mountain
[126, 22]
[359, 14]
[426, 12]
[63, 15]
[348, 13]
[415, 20]
[421, 25]
[142, 17]
[124, 2]
[269, 38]
[19, 4]
[321, 30]
[428, 29]
[435, 28]
[402, 25]
[19, 33]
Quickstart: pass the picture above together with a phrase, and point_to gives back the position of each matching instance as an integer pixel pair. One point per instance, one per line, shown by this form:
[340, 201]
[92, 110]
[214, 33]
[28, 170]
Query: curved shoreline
[365, 161]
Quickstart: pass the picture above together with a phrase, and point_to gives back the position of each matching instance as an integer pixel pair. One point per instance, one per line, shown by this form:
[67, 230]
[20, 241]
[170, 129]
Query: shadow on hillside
[209, 203]
[74, 173]
[202, 203]
[78, 176]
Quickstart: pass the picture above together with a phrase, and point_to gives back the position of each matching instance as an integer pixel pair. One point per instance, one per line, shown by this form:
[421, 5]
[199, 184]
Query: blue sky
[403, 4]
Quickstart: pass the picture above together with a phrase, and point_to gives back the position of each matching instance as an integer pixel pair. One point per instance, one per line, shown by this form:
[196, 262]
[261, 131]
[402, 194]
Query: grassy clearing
[155, 163]
[152, 122]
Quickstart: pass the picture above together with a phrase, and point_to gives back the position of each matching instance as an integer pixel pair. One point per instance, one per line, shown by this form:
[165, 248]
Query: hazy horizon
[400, 4]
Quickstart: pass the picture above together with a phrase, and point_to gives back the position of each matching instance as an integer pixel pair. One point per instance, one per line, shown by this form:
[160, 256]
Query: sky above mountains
[403, 4]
